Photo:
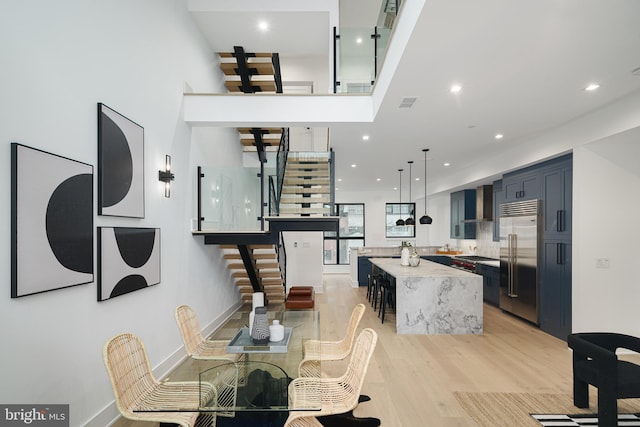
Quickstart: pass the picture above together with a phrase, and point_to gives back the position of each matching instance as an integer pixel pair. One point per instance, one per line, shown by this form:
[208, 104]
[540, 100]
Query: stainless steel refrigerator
[520, 232]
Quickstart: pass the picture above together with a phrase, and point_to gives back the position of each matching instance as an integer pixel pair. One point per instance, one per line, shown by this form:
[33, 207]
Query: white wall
[606, 207]
[59, 60]
[304, 259]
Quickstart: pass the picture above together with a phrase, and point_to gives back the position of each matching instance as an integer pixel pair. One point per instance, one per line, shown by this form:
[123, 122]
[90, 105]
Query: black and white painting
[128, 260]
[51, 221]
[120, 165]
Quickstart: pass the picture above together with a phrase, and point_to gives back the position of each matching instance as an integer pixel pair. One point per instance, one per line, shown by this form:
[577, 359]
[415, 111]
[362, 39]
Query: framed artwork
[51, 221]
[120, 165]
[128, 260]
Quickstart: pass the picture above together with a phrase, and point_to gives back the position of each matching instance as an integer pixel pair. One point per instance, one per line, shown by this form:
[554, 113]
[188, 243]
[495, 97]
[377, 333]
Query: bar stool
[387, 295]
[372, 287]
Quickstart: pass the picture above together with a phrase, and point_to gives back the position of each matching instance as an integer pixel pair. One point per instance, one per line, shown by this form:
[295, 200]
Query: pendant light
[410, 220]
[400, 222]
[425, 219]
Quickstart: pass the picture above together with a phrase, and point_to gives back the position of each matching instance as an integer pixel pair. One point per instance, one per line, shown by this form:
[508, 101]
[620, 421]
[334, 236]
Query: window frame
[338, 239]
[390, 218]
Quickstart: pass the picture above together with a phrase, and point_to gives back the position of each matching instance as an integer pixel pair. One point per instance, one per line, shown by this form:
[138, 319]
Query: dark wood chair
[595, 362]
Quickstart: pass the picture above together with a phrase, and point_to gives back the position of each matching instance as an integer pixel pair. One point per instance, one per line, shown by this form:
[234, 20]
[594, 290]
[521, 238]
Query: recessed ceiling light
[417, 179]
[263, 26]
[359, 40]
[353, 165]
[592, 87]
[499, 136]
[447, 164]
[365, 137]
[339, 179]
[455, 88]
[378, 179]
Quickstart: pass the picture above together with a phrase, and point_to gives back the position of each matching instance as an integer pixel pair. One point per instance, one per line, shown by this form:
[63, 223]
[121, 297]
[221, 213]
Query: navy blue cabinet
[552, 183]
[522, 185]
[555, 288]
[440, 259]
[557, 182]
[463, 207]
[490, 283]
[498, 199]
[364, 269]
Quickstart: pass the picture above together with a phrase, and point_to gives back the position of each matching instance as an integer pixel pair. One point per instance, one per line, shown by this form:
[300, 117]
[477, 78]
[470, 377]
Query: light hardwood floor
[412, 378]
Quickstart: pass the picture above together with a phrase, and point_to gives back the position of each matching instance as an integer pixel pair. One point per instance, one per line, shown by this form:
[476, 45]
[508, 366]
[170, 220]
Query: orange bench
[300, 297]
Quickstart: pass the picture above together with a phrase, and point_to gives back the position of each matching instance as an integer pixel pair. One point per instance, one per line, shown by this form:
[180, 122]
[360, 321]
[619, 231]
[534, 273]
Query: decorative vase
[260, 330]
[404, 256]
[277, 331]
[414, 259]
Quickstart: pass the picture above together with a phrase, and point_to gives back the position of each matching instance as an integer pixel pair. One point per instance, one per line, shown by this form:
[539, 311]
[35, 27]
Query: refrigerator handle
[511, 262]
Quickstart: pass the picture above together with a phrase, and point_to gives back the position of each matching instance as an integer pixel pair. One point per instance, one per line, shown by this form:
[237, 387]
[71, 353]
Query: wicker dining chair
[136, 389]
[333, 395]
[316, 351]
[200, 348]
[195, 344]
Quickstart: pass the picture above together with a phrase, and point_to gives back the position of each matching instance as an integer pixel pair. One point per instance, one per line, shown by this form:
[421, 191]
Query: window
[350, 234]
[396, 211]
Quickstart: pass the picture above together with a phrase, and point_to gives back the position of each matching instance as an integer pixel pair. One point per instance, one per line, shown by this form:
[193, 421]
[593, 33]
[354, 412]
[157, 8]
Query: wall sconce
[166, 176]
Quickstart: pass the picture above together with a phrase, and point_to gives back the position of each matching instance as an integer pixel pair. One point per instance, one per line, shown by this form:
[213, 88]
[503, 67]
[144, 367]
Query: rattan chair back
[129, 370]
[136, 389]
[189, 329]
[334, 395]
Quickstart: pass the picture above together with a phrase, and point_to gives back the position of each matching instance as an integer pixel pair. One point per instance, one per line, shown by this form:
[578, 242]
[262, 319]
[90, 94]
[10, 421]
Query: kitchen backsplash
[484, 240]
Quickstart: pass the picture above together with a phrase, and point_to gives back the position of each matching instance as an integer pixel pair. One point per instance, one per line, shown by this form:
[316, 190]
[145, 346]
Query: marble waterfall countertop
[435, 299]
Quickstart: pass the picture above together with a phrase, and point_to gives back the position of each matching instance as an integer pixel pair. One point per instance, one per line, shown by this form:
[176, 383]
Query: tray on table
[242, 343]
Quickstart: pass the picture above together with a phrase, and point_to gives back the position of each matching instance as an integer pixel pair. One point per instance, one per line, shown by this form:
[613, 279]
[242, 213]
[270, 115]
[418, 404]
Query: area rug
[583, 420]
[515, 409]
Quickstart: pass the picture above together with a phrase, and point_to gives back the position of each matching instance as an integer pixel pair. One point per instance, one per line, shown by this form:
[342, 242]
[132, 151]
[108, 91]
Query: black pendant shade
[400, 222]
[425, 219]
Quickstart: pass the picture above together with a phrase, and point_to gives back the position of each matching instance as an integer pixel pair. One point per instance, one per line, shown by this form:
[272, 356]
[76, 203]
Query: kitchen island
[434, 299]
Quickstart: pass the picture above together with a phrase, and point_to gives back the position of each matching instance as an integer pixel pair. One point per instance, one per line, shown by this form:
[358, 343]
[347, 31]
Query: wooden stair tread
[304, 210]
[249, 54]
[262, 130]
[306, 173]
[257, 86]
[251, 142]
[255, 68]
[302, 190]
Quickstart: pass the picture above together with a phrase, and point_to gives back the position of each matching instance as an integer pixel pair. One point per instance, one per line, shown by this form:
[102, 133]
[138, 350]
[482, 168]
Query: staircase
[306, 187]
[249, 72]
[304, 181]
[265, 259]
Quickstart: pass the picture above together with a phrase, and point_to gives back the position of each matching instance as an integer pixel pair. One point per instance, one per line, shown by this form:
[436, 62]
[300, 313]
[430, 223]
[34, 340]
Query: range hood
[484, 204]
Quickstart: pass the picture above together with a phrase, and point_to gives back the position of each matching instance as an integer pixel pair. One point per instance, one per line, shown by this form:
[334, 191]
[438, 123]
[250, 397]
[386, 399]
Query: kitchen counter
[435, 299]
[495, 263]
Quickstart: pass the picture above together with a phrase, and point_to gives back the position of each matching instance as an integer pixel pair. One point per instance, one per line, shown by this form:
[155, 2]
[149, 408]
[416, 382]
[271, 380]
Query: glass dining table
[256, 386]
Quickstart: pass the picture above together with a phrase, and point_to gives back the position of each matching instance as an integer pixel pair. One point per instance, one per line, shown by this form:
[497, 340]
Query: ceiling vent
[407, 102]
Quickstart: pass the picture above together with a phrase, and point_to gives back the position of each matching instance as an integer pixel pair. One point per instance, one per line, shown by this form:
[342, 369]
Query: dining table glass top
[259, 381]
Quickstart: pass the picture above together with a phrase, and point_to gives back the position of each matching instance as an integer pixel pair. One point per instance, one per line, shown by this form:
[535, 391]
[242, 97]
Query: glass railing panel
[230, 199]
[355, 60]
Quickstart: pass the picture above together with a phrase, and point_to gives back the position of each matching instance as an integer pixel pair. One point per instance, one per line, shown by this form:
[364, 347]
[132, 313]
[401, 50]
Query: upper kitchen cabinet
[498, 199]
[521, 185]
[557, 182]
[463, 207]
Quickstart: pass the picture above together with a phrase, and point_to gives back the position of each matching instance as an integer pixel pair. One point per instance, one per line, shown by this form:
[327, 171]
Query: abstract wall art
[51, 221]
[128, 260]
[120, 165]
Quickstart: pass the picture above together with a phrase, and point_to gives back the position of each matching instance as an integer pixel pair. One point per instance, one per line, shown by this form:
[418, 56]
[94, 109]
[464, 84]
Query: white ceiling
[523, 66]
